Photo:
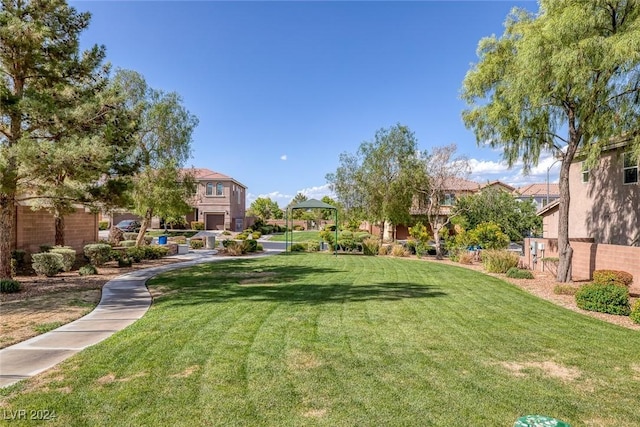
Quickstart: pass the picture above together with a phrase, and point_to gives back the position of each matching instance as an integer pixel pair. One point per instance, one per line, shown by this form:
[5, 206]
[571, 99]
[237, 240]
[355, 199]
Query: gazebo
[308, 204]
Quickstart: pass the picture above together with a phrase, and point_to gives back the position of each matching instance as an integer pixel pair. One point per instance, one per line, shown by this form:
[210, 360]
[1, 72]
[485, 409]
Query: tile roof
[533, 190]
[460, 184]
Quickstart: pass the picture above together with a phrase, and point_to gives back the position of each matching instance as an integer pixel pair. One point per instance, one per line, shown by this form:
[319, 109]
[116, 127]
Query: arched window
[209, 189]
[219, 189]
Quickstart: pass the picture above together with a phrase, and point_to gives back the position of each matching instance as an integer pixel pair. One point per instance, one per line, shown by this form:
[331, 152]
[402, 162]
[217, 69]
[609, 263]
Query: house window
[239, 195]
[219, 189]
[449, 199]
[585, 172]
[209, 191]
[629, 169]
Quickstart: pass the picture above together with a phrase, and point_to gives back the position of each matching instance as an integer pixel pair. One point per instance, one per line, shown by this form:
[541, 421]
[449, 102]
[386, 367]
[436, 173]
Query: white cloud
[283, 157]
[489, 170]
[317, 192]
[482, 167]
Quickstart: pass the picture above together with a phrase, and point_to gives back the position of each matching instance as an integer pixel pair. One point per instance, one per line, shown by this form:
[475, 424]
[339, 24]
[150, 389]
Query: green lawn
[297, 236]
[314, 339]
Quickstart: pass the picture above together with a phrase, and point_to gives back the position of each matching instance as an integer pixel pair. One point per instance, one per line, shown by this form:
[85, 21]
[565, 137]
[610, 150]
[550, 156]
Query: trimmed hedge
[87, 270]
[612, 277]
[516, 273]
[68, 256]
[612, 299]
[196, 244]
[98, 253]
[47, 263]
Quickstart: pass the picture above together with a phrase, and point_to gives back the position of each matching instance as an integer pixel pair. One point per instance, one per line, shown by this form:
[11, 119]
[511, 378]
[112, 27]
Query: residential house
[604, 216]
[541, 194]
[219, 201]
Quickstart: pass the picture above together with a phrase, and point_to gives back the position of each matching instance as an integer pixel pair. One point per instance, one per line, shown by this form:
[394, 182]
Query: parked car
[130, 225]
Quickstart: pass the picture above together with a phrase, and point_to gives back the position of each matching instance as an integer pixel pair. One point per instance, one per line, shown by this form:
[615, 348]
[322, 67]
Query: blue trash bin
[162, 240]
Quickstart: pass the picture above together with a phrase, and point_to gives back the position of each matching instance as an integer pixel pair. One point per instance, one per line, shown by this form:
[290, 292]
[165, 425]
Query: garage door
[214, 222]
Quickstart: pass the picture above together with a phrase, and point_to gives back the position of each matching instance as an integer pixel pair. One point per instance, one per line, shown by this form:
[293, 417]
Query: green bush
[197, 225]
[47, 263]
[196, 244]
[242, 236]
[399, 251]
[371, 246]
[259, 248]
[635, 312]
[565, 290]
[499, 261]
[328, 236]
[19, 255]
[87, 270]
[489, 235]
[128, 243]
[298, 228]
[9, 286]
[181, 240]
[68, 256]
[249, 245]
[124, 261]
[136, 253]
[298, 247]
[517, 273]
[312, 246]
[612, 299]
[129, 236]
[98, 253]
[612, 277]
[103, 225]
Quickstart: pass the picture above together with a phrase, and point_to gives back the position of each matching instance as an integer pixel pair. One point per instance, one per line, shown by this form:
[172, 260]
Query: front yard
[313, 339]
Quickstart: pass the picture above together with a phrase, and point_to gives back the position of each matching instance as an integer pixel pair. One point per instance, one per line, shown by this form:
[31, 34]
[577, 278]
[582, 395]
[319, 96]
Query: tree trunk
[436, 238]
[565, 251]
[7, 233]
[146, 222]
[59, 225]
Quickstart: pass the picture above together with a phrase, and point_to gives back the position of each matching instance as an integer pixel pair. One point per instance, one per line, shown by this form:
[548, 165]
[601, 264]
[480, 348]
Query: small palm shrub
[47, 263]
[233, 247]
[612, 277]
[384, 250]
[68, 256]
[87, 270]
[249, 245]
[98, 253]
[635, 312]
[517, 273]
[499, 261]
[612, 299]
[8, 286]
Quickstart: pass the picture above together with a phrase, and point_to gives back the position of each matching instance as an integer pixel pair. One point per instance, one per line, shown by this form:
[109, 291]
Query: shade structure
[308, 204]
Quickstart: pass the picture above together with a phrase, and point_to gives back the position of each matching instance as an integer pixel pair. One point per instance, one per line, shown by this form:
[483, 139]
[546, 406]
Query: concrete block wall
[36, 228]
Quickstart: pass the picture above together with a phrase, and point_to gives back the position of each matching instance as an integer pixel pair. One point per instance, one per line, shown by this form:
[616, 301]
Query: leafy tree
[265, 208]
[379, 180]
[562, 80]
[298, 213]
[48, 109]
[329, 214]
[163, 145]
[516, 218]
[489, 236]
[441, 169]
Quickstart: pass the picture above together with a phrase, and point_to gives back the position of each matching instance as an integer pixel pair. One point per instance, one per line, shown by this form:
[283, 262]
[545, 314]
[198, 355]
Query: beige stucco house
[540, 194]
[219, 202]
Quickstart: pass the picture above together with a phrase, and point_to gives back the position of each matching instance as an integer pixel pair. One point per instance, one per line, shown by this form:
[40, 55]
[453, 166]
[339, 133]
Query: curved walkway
[124, 300]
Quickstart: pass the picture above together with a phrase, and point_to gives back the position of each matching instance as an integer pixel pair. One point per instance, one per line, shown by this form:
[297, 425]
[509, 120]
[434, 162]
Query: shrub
[128, 243]
[298, 228]
[197, 225]
[87, 270]
[47, 263]
[517, 273]
[612, 277]
[298, 247]
[98, 253]
[371, 246]
[464, 257]
[155, 252]
[129, 236]
[181, 240]
[635, 312]
[68, 256]
[124, 261]
[565, 290]
[612, 299]
[226, 233]
[136, 253]
[249, 245]
[196, 243]
[399, 251]
[242, 236]
[410, 246]
[328, 236]
[313, 246]
[103, 225]
[19, 256]
[257, 234]
[384, 250]
[489, 235]
[45, 248]
[499, 261]
[9, 286]
[234, 248]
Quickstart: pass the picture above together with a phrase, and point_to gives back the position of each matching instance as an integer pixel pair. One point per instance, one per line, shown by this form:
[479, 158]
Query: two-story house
[541, 194]
[219, 201]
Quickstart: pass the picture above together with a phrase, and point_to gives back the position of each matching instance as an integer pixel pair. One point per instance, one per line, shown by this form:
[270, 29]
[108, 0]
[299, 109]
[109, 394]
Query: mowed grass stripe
[313, 339]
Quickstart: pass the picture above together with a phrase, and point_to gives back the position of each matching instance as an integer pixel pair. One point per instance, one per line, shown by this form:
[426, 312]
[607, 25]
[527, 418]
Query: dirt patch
[549, 368]
[187, 372]
[315, 413]
[301, 361]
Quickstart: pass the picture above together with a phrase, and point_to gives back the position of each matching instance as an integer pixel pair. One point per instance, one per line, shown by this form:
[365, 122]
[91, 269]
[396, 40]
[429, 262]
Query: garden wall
[587, 257]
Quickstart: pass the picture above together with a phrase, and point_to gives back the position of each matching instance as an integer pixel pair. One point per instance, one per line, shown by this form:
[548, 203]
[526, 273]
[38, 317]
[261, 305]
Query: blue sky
[282, 88]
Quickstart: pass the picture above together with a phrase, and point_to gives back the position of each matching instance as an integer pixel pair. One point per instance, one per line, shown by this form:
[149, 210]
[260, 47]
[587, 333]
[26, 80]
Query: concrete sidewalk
[125, 299]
